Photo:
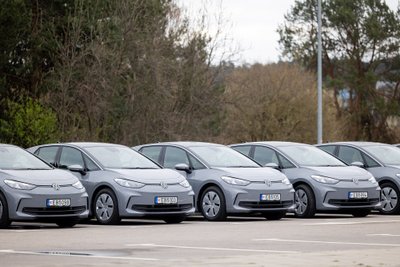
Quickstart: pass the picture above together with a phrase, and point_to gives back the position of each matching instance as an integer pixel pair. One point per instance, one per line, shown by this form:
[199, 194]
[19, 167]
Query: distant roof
[184, 144]
[356, 143]
[275, 143]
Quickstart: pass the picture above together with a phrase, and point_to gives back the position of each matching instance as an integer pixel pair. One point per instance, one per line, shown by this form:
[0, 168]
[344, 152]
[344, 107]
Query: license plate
[166, 200]
[270, 197]
[58, 202]
[358, 195]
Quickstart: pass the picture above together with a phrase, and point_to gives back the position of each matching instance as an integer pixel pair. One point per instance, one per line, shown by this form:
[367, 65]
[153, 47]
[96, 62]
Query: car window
[70, 156]
[196, 165]
[245, 150]
[350, 154]
[285, 163]
[48, 153]
[264, 155]
[369, 162]
[329, 149]
[173, 156]
[90, 165]
[153, 152]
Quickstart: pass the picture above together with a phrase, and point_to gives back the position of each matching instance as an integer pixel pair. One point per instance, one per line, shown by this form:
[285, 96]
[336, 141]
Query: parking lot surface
[326, 240]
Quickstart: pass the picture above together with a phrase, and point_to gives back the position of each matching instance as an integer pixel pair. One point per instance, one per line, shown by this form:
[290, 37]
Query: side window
[173, 156]
[243, 149]
[48, 154]
[285, 163]
[196, 165]
[90, 165]
[329, 149]
[350, 155]
[70, 156]
[369, 162]
[264, 155]
[152, 152]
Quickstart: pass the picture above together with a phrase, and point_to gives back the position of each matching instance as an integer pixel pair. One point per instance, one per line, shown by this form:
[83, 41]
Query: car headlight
[128, 183]
[19, 185]
[286, 181]
[234, 181]
[185, 184]
[78, 185]
[324, 179]
[372, 180]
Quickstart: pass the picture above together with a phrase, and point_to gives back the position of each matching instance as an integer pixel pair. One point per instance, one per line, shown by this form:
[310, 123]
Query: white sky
[250, 24]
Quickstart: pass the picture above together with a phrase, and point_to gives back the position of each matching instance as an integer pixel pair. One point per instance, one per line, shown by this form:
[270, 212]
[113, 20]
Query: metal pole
[319, 74]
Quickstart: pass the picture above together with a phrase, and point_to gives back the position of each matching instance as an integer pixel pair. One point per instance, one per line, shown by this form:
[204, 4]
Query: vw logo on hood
[355, 180]
[56, 187]
[164, 185]
[268, 182]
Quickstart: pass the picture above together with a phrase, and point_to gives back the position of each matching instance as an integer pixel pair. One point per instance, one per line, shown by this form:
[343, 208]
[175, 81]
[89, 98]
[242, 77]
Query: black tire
[396, 209]
[67, 223]
[275, 215]
[361, 213]
[110, 217]
[208, 210]
[309, 207]
[4, 219]
[173, 219]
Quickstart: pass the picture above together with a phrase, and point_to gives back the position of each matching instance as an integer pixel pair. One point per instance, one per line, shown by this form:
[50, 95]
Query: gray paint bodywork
[324, 193]
[203, 178]
[94, 181]
[20, 200]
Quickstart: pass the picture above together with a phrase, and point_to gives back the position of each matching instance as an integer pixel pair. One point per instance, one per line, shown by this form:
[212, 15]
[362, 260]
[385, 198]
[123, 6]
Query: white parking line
[66, 254]
[349, 223]
[213, 248]
[390, 235]
[327, 242]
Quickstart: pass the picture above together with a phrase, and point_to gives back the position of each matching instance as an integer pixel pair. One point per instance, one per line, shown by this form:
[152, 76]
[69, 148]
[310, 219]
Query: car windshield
[221, 156]
[15, 158]
[388, 155]
[311, 156]
[118, 157]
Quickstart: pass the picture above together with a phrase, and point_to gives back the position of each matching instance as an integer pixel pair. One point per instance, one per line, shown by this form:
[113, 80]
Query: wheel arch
[203, 188]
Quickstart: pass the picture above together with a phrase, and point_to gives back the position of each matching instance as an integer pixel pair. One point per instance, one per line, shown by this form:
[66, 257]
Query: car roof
[82, 144]
[354, 143]
[7, 145]
[273, 143]
[183, 144]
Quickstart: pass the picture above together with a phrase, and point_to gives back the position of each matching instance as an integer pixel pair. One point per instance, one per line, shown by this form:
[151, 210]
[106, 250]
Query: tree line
[137, 71]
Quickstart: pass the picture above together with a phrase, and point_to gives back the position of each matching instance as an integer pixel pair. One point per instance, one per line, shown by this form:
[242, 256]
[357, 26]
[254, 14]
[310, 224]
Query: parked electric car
[382, 160]
[122, 183]
[322, 182]
[31, 190]
[224, 181]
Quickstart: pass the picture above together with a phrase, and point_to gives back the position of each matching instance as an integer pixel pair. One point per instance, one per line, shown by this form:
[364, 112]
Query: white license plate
[270, 197]
[58, 202]
[166, 200]
[358, 195]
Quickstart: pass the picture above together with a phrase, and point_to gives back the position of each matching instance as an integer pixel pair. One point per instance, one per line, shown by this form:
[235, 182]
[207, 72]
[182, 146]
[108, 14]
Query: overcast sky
[251, 24]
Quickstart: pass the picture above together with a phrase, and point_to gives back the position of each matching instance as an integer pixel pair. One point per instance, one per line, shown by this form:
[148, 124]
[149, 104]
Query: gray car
[322, 182]
[122, 183]
[382, 160]
[31, 190]
[224, 181]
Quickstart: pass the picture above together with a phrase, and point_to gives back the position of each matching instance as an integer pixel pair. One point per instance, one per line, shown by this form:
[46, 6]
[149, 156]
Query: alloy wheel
[389, 199]
[1, 209]
[104, 207]
[211, 204]
[301, 201]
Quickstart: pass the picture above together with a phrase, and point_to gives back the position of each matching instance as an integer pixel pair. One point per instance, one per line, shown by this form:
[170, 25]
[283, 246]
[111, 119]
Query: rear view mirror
[77, 168]
[183, 167]
[357, 164]
[272, 165]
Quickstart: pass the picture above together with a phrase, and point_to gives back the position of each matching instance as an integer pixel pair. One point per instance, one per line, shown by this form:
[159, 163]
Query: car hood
[253, 174]
[40, 177]
[149, 176]
[394, 166]
[346, 173]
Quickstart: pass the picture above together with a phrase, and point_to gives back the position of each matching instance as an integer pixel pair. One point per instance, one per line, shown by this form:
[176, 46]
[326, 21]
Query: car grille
[354, 202]
[162, 208]
[55, 211]
[265, 204]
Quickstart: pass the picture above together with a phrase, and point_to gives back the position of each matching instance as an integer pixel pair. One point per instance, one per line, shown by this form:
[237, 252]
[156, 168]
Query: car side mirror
[358, 164]
[183, 167]
[273, 166]
[77, 168]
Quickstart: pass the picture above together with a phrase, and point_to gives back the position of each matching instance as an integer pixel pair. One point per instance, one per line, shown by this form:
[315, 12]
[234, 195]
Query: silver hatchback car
[224, 181]
[322, 182]
[122, 183]
[31, 190]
